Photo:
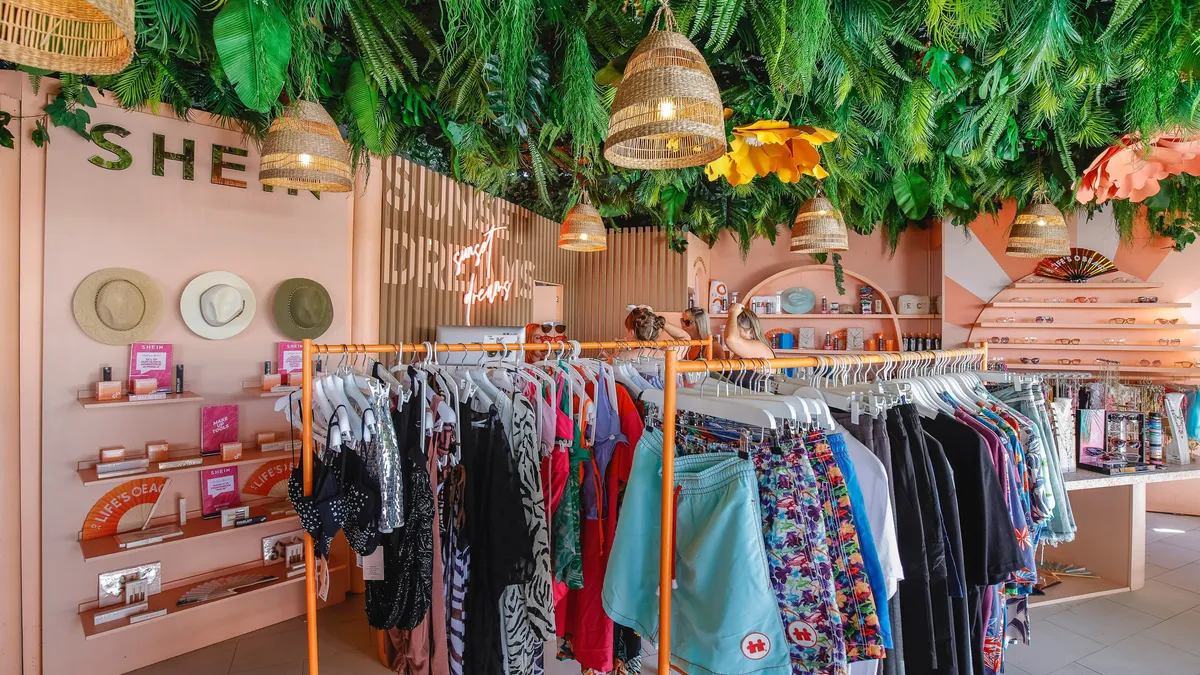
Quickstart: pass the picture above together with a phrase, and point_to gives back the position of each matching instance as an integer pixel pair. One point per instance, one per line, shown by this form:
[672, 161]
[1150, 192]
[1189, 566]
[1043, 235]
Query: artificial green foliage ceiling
[945, 108]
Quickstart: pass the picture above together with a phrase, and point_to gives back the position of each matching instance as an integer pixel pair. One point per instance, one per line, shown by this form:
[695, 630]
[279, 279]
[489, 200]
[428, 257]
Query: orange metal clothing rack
[311, 349]
[670, 387]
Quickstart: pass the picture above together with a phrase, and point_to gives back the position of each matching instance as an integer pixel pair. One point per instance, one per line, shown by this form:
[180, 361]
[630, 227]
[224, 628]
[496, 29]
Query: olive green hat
[303, 309]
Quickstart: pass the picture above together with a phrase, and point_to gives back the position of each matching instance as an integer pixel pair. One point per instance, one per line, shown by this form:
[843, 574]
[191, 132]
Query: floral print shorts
[798, 558]
[855, 600]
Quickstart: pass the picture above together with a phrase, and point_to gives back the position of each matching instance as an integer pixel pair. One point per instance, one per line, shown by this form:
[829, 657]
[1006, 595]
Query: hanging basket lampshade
[304, 150]
[819, 227]
[583, 230]
[667, 113]
[1038, 231]
[88, 37]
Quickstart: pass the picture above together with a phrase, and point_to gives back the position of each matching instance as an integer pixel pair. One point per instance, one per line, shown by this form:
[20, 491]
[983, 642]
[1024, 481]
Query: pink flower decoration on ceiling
[1132, 169]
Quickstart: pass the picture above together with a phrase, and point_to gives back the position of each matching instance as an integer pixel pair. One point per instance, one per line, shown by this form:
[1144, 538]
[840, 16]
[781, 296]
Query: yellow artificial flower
[771, 146]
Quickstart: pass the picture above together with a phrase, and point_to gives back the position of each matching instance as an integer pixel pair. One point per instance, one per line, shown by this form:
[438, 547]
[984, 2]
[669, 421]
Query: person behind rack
[644, 325]
[744, 335]
[695, 322]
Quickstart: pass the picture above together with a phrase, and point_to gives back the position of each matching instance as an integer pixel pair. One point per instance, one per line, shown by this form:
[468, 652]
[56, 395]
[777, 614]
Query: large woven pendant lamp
[583, 229]
[819, 227]
[304, 150]
[667, 113]
[1039, 231]
[88, 37]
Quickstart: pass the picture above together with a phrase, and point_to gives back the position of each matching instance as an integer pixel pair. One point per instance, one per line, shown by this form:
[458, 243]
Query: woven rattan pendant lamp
[1038, 231]
[583, 229]
[88, 37]
[667, 113]
[819, 227]
[304, 150]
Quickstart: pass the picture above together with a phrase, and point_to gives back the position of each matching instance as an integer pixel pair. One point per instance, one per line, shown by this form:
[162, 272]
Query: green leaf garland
[254, 41]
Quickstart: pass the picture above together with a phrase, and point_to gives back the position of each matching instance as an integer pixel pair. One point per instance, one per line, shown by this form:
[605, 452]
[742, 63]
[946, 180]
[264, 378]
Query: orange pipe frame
[311, 350]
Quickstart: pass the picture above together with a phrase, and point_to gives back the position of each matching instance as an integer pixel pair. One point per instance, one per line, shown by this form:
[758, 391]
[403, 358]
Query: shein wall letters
[123, 159]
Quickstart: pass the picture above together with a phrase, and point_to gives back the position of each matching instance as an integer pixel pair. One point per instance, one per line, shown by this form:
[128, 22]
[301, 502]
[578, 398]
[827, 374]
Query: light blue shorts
[724, 617]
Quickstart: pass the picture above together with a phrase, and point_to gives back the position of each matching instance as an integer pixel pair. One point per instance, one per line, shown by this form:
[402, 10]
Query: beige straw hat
[118, 306]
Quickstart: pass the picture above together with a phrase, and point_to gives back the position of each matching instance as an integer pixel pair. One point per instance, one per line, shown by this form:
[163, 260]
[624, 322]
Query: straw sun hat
[118, 306]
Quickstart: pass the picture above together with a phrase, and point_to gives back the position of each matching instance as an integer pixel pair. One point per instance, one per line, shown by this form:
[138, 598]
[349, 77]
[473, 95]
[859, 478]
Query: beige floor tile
[293, 668]
[259, 651]
[1181, 632]
[349, 663]
[1171, 521]
[1141, 655]
[1190, 540]
[1154, 570]
[1169, 556]
[1158, 599]
[1186, 577]
[1104, 621]
[345, 635]
[1070, 669]
[1053, 647]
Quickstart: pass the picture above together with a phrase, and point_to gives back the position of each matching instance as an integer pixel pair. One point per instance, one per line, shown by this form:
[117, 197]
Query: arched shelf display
[1085, 329]
[820, 280]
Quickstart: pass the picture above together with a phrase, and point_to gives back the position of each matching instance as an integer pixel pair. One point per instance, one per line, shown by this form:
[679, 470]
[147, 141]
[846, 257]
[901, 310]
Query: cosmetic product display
[180, 463]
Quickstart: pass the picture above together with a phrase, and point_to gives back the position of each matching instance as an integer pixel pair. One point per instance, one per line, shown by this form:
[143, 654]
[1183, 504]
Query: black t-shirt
[990, 551]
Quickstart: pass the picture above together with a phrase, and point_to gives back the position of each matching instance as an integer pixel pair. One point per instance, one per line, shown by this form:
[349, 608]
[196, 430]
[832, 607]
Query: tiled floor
[1155, 630]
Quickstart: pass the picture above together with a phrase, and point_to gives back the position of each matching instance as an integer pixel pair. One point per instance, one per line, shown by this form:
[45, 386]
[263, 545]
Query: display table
[1111, 542]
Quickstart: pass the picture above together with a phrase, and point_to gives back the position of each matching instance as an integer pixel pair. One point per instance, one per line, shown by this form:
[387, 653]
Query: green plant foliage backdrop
[945, 108]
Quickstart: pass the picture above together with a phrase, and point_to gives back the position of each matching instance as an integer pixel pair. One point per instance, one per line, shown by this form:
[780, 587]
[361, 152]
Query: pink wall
[173, 230]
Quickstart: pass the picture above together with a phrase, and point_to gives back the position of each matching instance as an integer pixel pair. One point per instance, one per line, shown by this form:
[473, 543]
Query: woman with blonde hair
[695, 322]
[744, 335]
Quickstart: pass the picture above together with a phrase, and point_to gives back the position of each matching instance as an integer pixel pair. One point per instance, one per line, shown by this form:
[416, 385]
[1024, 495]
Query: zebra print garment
[527, 610]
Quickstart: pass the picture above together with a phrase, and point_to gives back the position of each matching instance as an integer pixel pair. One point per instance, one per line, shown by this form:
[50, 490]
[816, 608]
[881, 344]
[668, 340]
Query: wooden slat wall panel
[427, 217]
[637, 268]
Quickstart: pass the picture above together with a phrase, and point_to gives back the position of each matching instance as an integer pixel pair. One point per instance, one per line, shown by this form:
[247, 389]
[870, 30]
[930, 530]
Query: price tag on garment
[372, 565]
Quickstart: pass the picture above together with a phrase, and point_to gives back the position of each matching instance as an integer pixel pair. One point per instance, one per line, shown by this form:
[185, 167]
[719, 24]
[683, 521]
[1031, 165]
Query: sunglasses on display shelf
[1167, 342]
[1082, 299]
[1114, 341]
[559, 328]
[1067, 341]
[1070, 362]
[1121, 320]
[1035, 360]
[1185, 364]
[1021, 300]
[1148, 362]
[1007, 319]
[1166, 322]
[1148, 299]
[1043, 319]
[1029, 340]
[1056, 300]
[1126, 280]
[998, 340]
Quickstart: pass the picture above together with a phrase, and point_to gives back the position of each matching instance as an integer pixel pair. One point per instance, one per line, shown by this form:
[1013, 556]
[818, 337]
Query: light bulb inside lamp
[666, 110]
[583, 236]
[305, 160]
[1041, 221]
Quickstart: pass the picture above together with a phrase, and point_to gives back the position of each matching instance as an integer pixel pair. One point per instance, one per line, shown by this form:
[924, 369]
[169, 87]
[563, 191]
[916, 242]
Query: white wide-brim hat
[217, 305]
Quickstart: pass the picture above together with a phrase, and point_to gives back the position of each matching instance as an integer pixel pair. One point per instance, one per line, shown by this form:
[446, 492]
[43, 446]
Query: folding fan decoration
[1078, 266]
[126, 507]
[271, 479]
[222, 587]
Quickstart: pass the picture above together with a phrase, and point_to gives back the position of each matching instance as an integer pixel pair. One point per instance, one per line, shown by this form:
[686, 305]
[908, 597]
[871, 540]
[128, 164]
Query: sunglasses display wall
[1114, 320]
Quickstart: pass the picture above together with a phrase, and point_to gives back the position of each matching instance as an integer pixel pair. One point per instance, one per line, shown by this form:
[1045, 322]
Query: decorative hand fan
[124, 508]
[271, 479]
[222, 587]
[1059, 570]
[1078, 266]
